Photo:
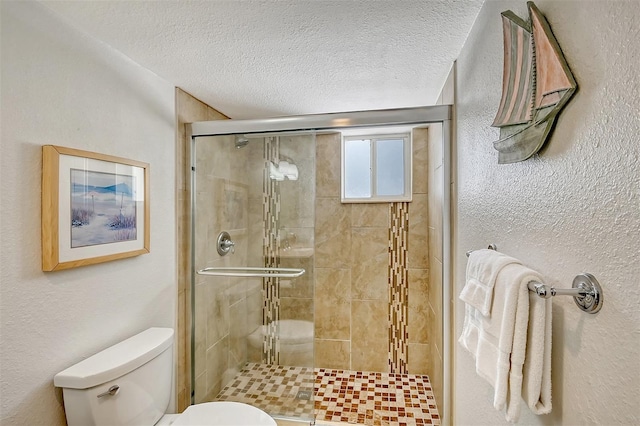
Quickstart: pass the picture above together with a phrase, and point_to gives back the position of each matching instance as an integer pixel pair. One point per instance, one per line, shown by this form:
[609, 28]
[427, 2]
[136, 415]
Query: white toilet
[295, 341]
[130, 384]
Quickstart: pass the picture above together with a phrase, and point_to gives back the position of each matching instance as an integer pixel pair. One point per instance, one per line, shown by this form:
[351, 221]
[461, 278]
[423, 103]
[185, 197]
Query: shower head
[241, 142]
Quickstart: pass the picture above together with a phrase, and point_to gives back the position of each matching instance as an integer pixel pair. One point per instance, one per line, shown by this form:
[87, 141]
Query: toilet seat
[223, 413]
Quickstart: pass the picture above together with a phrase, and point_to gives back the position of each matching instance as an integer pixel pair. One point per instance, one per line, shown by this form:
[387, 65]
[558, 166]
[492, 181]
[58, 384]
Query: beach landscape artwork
[103, 208]
[95, 208]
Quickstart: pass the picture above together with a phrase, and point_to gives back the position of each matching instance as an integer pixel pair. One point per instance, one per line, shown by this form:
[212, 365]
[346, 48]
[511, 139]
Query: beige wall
[571, 209]
[352, 271]
[435, 200]
[297, 227]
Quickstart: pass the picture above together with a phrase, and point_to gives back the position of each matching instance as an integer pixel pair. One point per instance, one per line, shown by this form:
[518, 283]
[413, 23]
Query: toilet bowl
[295, 339]
[223, 413]
[130, 384]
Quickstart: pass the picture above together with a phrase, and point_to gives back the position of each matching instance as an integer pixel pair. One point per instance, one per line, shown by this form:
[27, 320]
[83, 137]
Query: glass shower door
[253, 329]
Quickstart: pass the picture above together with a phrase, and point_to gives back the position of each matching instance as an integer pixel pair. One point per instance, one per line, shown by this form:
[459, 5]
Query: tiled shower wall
[436, 199]
[291, 229]
[353, 291]
[297, 227]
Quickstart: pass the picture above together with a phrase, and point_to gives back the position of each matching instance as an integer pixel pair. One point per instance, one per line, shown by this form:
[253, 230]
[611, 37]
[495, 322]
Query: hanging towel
[537, 363]
[482, 269]
[512, 336]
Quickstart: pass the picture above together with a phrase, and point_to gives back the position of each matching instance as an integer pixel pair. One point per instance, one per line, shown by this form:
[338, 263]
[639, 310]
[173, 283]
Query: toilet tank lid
[116, 360]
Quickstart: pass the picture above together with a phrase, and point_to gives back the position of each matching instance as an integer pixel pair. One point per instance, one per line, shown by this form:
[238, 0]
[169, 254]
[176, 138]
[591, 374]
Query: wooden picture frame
[95, 208]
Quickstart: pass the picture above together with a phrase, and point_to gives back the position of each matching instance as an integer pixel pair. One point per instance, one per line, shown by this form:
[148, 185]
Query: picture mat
[66, 252]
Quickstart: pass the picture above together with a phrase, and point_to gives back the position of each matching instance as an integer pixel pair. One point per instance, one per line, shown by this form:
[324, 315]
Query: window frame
[407, 147]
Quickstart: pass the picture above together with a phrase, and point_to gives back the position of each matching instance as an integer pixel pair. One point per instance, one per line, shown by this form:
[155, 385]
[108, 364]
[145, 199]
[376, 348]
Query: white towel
[510, 338]
[537, 363]
[483, 267]
[274, 172]
[290, 171]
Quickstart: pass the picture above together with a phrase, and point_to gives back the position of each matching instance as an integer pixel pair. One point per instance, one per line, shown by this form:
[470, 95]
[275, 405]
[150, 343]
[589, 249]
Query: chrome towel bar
[252, 272]
[586, 290]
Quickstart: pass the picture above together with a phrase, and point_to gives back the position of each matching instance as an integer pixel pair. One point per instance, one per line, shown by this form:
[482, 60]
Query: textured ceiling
[253, 59]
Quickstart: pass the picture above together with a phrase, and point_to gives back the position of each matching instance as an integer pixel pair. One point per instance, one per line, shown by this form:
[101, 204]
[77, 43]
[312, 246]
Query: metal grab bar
[229, 271]
[586, 290]
[546, 291]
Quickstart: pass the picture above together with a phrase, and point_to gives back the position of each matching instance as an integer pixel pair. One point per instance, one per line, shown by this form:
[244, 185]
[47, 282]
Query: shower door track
[335, 122]
[320, 122]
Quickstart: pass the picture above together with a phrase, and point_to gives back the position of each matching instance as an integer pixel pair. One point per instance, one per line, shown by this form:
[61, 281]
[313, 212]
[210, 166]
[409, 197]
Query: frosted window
[357, 168]
[376, 168]
[390, 167]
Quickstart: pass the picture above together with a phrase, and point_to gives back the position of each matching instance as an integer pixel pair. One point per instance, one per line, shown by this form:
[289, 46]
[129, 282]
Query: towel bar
[252, 272]
[586, 290]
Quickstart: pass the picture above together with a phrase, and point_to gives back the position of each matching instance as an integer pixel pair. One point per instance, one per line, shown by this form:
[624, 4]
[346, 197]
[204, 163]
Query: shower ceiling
[257, 58]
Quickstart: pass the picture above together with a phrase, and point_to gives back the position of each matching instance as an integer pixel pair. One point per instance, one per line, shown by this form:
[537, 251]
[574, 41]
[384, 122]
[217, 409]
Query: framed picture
[95, 208]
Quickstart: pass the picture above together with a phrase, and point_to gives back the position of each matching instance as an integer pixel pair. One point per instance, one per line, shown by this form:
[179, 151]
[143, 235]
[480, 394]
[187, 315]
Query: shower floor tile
[341, 396]
[272, 388]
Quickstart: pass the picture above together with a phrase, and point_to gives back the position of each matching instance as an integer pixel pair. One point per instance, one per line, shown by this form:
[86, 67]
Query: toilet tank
[137, 370]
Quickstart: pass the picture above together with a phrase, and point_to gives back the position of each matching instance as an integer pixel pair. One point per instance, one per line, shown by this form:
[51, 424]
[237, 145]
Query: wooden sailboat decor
[536, 84]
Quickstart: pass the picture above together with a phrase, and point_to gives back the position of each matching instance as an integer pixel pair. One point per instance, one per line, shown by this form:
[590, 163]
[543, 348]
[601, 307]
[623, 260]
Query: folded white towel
[290, 171]
[512, 336]
[275, 173]
[483, 267]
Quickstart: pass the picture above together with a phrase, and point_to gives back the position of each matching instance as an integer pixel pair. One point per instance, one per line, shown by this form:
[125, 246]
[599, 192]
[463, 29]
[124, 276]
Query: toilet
[130, 384]
[295, 339]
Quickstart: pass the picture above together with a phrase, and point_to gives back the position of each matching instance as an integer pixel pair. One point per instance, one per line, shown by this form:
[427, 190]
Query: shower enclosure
[253, 283]
[270, 272]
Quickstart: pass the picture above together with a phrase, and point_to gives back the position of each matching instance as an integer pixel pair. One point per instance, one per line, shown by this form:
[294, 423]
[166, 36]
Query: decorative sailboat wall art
[536, 84]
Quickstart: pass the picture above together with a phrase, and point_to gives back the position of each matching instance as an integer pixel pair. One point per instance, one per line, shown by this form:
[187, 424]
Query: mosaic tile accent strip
[270, 251]
[341, 396]
[398, 286]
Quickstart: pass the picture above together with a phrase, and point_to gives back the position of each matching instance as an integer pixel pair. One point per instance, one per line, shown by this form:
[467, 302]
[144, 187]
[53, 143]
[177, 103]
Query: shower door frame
[340, 121]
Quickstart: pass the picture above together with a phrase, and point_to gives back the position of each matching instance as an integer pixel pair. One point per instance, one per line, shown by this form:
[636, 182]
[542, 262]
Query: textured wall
[61, 87]
[395, 56]
[573, 208]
